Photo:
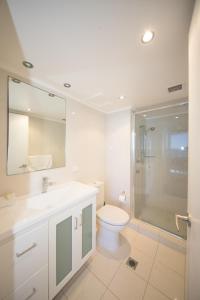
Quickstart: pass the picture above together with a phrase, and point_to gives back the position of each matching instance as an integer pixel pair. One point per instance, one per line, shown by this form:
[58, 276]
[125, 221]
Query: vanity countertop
[29, 210]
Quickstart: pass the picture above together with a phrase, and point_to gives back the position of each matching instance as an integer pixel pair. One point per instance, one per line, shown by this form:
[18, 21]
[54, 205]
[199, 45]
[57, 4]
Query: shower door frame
[133, 158]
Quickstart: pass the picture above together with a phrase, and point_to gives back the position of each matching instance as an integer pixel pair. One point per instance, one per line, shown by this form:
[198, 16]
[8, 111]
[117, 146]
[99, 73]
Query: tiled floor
[158, 276]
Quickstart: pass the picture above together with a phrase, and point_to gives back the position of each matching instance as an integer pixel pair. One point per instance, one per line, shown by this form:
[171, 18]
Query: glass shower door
[161, 166]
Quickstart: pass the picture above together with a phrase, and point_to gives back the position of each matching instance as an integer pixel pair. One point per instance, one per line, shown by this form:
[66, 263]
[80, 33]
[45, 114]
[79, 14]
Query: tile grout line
[120, 263]
[161, 292]
[97, 278]
[166, 266]
[105, 285]
[103, 293]
[108, 290]
[154, 259]
[150, 276]
[113, 294]
[136, 274]
[115, 273]
[148, 257]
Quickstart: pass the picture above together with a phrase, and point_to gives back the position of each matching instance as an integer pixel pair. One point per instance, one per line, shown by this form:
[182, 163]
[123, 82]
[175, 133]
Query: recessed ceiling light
[121, 97]
[51, 95]
[27, 64]
[144, 115]
[147, 36]
[28, 109]
[16, 80]
[177, 117]
[67, 85]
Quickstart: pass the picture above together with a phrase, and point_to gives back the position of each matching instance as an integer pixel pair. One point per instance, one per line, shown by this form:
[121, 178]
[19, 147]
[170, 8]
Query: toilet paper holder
[122, 196]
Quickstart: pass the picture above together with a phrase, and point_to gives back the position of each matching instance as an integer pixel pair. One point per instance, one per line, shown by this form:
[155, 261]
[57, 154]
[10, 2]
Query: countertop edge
[43, 215]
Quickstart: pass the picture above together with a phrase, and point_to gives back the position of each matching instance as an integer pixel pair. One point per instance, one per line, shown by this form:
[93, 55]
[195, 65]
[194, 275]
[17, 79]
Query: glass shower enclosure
[161, 166]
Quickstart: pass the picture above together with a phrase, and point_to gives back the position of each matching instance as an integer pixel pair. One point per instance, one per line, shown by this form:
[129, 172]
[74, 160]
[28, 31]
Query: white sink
[39, 202]
[68, 193]
[48, 200]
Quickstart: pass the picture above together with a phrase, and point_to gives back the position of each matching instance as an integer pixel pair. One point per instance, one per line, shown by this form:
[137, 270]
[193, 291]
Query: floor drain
[132, 263]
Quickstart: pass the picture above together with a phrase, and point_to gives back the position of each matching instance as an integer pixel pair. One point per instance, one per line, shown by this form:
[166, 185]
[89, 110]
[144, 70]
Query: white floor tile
[167, 281]
[109, 296]
[171, 258]
[104, 267]
[85, 287]
[119, 254]
[145, 263]
[126, 285]
[146, 245]
[130, 235]
[153, 294]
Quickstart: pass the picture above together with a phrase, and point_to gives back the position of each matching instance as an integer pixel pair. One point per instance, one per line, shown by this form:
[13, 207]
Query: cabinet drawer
[22, 257]
[36, 288]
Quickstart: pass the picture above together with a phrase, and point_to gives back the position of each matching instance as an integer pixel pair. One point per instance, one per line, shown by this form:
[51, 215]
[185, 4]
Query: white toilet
[111, 220]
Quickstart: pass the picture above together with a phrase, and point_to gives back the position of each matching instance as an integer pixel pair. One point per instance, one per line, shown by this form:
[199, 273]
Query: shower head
[151, 129]
[147, 129]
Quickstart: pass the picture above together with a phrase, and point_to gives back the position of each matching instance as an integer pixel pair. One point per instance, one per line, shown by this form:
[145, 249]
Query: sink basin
[39, 203]
[47, 200]
[54, 198]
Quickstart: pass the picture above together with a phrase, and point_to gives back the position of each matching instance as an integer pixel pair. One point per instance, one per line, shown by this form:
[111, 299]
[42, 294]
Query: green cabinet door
[63, 249]
[86, 230]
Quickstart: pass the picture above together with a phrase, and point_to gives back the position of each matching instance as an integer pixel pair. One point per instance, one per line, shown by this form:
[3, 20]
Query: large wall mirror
[36, 128]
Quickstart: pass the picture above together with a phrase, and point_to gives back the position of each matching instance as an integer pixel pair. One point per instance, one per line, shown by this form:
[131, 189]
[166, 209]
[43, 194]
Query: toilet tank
[100, 196]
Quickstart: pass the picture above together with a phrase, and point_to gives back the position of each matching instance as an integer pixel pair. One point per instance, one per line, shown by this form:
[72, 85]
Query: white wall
[84, 148]
[86, 142]
[118, 157]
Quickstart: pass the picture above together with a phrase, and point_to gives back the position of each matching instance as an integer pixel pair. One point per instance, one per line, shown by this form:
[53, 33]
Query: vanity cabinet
[24, 265]
[40, 256]
[72, 240]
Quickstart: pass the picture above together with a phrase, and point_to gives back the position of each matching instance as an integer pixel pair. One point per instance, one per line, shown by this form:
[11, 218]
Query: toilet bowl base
[110, 240]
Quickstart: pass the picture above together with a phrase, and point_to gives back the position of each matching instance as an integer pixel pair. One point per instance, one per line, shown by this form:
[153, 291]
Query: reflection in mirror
[36, 129]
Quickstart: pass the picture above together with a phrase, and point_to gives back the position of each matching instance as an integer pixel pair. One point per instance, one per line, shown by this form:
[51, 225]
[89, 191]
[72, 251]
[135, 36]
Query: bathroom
[99, 151]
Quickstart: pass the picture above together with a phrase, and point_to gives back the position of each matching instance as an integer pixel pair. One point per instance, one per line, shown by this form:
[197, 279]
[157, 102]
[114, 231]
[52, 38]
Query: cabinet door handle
[26, 250]
[31, 295]
[76, 223]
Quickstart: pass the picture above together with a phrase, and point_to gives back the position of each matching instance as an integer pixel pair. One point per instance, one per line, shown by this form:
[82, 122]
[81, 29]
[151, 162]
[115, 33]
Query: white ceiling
[96, 46]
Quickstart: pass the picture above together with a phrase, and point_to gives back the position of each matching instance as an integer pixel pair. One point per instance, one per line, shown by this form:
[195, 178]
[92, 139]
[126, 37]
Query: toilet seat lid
[113, 215]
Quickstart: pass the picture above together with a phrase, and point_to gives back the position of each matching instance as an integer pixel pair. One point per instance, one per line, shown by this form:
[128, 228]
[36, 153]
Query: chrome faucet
[45, 184]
